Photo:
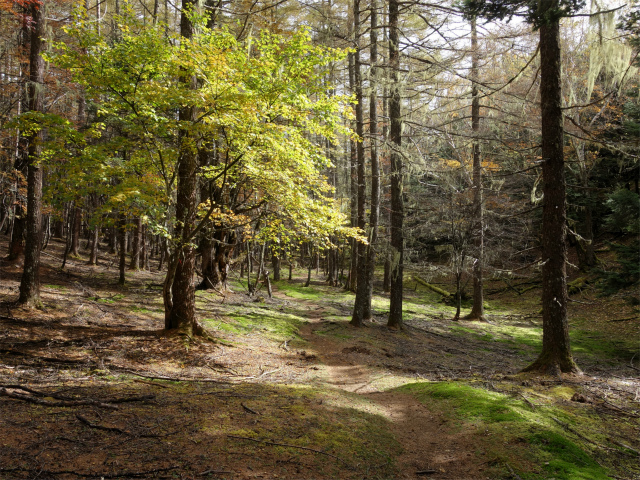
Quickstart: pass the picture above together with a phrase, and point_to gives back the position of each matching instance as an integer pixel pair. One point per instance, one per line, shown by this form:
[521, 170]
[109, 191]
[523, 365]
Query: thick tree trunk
[477, 310]
[179, 292]
[556, 353]
[397, 207]
[30, 282]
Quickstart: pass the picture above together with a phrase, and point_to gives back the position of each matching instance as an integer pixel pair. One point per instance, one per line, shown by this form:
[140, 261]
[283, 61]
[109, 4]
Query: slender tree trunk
[275, 262]
[30, 282]
[136, 244]
[374, 217]
[357, 318]
[353, 184]
[19, 224]
[75, 231]
[397, 167]
[477, 310]
[95, 238]
[122, 242]
[556, 352]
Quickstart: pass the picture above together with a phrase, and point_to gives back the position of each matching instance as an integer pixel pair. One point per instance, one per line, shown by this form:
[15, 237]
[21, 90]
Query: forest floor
[91, 387]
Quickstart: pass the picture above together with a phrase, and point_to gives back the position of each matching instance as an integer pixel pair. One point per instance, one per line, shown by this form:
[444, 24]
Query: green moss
[563, 459]
[468, 402]
[273, 324]
[531, 442]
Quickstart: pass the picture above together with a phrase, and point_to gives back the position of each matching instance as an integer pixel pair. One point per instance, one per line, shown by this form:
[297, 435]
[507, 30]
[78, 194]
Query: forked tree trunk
[30, 282]
[397, 207]
[556, 352]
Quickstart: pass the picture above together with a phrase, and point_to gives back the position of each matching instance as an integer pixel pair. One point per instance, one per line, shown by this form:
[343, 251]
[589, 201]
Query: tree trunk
[477, 310]
[179, 292]
[95, 238]
[556, 353]
[275, 262]
[136, 244]
[386, 279]
[122, 242]
[357, 319]
[19, 224]
[30, 282]
[397, 207]
[353, 184]
[76, 226]
[374, 216]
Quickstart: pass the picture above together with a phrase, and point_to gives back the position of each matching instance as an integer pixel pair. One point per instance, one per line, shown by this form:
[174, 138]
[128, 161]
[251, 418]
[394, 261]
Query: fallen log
[440, 291]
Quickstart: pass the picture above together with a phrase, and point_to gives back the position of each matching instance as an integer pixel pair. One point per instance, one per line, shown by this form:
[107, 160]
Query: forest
[320, 239]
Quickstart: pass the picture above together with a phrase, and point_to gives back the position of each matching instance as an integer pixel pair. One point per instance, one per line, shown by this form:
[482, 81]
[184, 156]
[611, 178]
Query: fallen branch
[215, 472]
[626, 319]
[102, 427]
[57, 396]
[529, 402]
[170, 379]
[620, 444]
[290, 446]
[48, 403]
[91, 475]
[247, 409]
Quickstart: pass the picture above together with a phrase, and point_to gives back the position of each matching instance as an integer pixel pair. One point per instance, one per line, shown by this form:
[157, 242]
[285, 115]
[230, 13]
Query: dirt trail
[430, 448]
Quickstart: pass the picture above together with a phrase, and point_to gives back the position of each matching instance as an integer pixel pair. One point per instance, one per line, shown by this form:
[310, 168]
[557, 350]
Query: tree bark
[75, 231]
[136, 245]
[179, 292]
[353, 184]
[556, 352]
[30, 282]
[357, 319]
[397, 167]
[122, 242]
[477, 310]
[95, 238]
[374, 216]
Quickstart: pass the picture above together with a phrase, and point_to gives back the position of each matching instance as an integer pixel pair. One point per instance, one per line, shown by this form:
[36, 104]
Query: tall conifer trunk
[477, 310]
[397, 207]
[30, 282]
[361, 286]
[556, 353]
